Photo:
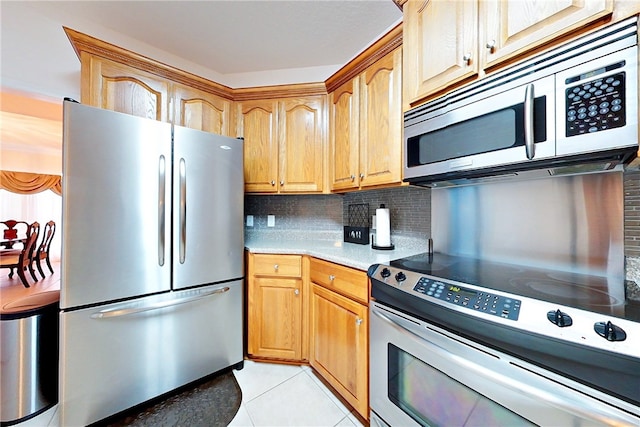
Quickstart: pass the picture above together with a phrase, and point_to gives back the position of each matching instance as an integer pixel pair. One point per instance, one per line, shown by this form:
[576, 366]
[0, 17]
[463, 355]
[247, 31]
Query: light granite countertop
[330, 246]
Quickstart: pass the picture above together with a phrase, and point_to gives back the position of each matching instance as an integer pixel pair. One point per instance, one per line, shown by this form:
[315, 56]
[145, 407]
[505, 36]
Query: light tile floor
[272, 395]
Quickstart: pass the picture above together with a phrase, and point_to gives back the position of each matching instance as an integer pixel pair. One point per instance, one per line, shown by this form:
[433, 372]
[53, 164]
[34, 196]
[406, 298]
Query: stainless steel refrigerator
[152, 260]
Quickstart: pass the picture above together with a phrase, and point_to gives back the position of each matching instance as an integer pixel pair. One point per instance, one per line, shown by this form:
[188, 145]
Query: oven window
[494, 131]
[432, 398]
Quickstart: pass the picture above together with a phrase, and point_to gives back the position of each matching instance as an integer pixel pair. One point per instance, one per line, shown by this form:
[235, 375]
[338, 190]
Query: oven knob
[559, 318]
[385, 272]
[610, 331]
[400, 277]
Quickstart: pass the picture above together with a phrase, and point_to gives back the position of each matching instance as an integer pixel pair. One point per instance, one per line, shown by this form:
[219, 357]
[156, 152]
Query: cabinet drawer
[344, 280]
[277, 265]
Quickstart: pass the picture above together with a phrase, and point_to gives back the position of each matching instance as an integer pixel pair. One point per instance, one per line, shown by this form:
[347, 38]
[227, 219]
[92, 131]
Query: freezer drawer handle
[161, 209]
[119, 312]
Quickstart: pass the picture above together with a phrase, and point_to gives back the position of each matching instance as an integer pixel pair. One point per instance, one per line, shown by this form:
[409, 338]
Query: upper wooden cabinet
[197, 109]
[117, 79]
[113, 86]
[284, 143]
[365, 121]
[451, 42]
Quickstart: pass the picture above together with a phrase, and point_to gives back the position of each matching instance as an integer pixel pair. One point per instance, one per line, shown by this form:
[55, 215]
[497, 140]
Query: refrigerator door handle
[183, 210]
[161, 208]
[120, 312]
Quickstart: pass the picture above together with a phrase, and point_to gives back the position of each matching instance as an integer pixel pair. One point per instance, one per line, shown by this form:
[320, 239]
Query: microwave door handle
[528, 121]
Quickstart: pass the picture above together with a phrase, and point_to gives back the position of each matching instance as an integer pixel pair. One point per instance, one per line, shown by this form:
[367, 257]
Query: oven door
[423, 375]
[502, 128]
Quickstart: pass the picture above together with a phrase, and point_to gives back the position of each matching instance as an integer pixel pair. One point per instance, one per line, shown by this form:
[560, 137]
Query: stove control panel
[486, 302]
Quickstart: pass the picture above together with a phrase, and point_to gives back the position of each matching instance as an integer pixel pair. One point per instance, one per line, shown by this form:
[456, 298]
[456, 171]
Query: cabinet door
[301, 135]
[344, 151]
[381, 121]
[275, 316]
[117, 87]
[197, 109]
[257, 124]
[440, 38]
[339, 343]
[511, 27]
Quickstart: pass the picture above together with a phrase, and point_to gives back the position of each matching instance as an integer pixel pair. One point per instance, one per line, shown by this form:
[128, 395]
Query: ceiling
[239, 43]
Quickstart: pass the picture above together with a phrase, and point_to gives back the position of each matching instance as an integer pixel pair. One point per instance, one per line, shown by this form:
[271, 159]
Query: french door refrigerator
[152, 260]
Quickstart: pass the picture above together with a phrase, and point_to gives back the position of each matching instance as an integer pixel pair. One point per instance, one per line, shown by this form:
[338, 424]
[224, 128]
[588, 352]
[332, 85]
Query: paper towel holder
[383, 248]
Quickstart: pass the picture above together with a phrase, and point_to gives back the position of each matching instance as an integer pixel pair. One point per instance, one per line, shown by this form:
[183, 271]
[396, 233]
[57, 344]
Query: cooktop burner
[593, 293]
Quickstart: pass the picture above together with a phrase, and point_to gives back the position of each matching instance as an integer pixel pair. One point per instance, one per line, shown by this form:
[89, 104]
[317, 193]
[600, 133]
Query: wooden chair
[42, 253]
[13, 232]
[22, 261]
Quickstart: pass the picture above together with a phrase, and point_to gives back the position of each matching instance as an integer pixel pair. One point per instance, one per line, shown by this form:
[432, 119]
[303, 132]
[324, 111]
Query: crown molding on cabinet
[379, 49]
[91, 45]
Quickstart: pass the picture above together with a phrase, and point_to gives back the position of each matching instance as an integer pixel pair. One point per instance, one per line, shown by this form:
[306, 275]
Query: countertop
[330, 246]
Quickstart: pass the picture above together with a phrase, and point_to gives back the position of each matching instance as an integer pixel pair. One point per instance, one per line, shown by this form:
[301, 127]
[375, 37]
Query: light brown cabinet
[197, 109]
[446, 43]
[339, 331]
[117, 79]
[112, 86]
[366, 127]
[276, 304]
[284, 144]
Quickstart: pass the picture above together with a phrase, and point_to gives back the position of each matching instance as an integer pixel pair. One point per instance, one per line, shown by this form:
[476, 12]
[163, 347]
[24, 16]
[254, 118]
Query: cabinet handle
[491, 45]
[358, 321]
[467, 58]
[275, 267]
[361, 176]
[353, 177]
[273, 182]
[281, 183]
[332, 277]
[296, 291]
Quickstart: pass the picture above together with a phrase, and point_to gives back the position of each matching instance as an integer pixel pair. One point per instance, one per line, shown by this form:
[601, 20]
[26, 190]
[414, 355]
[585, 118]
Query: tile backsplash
[409, 209]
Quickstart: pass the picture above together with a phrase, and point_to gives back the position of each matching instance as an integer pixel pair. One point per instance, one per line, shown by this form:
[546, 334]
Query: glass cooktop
[592, 293]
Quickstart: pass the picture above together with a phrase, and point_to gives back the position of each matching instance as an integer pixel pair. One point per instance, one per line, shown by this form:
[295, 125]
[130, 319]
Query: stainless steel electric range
[456, 338]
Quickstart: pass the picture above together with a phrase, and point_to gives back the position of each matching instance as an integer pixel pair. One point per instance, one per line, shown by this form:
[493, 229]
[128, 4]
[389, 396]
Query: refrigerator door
[116, 190]
[119, 355]
[208, 208]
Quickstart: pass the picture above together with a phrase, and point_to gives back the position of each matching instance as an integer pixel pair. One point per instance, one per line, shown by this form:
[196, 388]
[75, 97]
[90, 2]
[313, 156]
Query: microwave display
[494, 131]
[596, 105]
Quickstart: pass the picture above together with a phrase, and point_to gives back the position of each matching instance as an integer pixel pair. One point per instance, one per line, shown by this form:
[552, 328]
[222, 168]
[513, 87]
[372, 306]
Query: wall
[330, 212]
[410, 210]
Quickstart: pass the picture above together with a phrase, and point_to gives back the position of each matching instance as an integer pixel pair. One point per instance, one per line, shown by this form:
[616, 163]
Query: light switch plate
[271, 220]
[249, 220]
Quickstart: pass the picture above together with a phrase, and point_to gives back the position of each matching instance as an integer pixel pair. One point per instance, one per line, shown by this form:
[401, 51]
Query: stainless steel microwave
[572, 107]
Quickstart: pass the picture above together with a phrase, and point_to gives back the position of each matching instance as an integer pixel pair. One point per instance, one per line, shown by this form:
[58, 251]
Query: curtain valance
[29, 183]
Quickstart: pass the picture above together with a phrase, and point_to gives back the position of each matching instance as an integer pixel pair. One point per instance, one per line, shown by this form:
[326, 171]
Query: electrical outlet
[249, 220]
[373, 222]
[271, 220]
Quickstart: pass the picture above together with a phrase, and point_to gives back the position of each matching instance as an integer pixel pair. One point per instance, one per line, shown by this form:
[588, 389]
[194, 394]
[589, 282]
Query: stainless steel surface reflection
[569, 223]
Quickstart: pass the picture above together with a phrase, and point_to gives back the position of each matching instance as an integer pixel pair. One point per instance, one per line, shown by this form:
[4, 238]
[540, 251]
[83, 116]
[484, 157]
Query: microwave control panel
[596, 105]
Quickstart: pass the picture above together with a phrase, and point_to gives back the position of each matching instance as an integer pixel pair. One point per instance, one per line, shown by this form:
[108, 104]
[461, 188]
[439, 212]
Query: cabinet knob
[353, 177]
[491, 45]
[361, 176]
[467, 58]
[332, 277]
[275, 267]
[296, 291]
[358, 321]
[281, 183]
[273, 182]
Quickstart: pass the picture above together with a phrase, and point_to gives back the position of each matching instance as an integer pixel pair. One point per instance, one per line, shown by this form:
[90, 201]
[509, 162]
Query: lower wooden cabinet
[301, 308]
[275, 307]
[339, 345]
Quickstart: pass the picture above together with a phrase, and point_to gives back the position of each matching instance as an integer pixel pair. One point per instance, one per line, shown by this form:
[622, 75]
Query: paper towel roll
[383, 227]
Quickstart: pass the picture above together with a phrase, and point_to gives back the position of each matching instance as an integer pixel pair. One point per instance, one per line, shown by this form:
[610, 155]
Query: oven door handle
[564, 401]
